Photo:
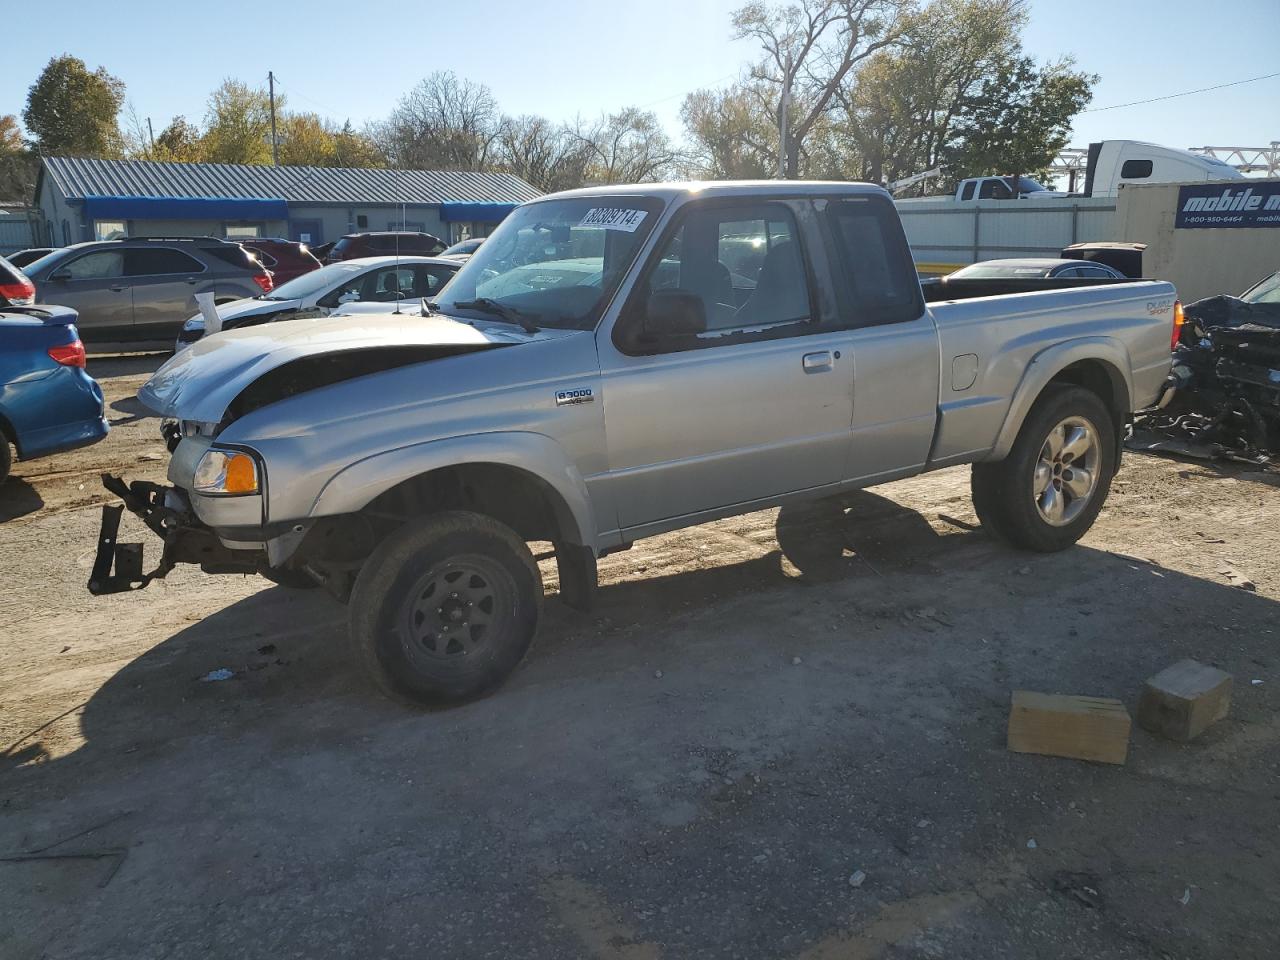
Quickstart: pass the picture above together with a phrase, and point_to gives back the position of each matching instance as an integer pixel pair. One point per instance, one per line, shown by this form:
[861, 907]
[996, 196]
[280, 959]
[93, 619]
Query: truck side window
[873, 257]
[967, 193]
[744, 264]
[1135, 170]
[993, 188]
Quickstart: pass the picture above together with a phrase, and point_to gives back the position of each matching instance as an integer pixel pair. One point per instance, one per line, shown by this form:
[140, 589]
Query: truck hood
[201, 382]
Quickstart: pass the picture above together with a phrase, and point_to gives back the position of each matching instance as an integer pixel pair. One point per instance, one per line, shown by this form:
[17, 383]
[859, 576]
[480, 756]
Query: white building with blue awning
[90, 199]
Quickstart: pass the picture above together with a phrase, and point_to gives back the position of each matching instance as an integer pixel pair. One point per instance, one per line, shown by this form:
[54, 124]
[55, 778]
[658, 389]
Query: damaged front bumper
[166, 510]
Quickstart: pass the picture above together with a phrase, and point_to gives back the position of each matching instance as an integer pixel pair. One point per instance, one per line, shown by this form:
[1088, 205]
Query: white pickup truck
[1108, 164]
[612, 364]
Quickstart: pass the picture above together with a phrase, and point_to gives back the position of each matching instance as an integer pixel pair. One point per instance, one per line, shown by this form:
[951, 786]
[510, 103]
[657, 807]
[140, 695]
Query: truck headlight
[226, 472]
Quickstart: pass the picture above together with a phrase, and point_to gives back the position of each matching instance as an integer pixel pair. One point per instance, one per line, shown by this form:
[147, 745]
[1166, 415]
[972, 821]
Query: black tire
[285, 577]
[1004, 494]
[6, 458]
[414, 606]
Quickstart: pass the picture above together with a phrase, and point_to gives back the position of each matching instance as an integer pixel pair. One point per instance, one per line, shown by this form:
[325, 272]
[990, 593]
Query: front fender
[354, 487]
[1050, 362]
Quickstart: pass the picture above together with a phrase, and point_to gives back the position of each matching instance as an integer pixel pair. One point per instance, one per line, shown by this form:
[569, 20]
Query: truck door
[892, 339]
[752, 398]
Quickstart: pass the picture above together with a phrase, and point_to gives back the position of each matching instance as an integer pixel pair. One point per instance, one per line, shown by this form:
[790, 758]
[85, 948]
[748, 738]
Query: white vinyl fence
[945, 234]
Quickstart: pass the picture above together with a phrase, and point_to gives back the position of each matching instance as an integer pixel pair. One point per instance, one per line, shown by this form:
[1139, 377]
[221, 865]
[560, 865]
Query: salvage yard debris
[1223, 394]
[1081, 728]
[1182, 701]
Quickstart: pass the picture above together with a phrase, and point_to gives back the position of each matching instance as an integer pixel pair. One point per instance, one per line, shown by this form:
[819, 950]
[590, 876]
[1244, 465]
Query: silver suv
[144, 288]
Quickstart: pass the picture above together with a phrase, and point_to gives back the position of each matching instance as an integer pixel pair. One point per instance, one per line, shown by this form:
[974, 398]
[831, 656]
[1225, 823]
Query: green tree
[73, 111]
[899, 112]
[732, 132]
[179, 142]
[10, 136]
[1017, 119]
[17, 164]
[306, 140]
[351, 148]
[238, 125]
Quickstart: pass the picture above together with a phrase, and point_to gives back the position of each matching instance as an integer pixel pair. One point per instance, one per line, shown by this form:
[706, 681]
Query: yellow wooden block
[1083, 728]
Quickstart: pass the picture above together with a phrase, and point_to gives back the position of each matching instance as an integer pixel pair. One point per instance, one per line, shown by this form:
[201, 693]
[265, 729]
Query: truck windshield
[1026, 185]
[557, 262]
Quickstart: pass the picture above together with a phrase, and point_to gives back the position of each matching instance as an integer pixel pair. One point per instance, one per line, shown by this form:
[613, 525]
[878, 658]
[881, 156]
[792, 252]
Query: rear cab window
[872, 262]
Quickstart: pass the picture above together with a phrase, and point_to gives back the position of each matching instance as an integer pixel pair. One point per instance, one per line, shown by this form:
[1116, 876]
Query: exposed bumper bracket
[186, 540]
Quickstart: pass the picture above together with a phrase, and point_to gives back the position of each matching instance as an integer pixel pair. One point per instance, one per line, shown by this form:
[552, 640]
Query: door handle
[817, 362]
[191, 281]
[118, 289]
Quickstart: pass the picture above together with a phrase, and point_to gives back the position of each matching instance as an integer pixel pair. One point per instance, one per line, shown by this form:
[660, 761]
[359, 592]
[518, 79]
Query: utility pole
[275, 146]
[151, 135]
[783, 105]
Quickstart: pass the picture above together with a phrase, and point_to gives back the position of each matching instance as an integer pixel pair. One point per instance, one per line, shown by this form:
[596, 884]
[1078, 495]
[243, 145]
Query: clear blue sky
[353, 60]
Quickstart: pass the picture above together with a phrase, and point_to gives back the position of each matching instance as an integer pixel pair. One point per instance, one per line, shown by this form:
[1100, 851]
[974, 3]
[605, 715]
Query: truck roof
[724, 188]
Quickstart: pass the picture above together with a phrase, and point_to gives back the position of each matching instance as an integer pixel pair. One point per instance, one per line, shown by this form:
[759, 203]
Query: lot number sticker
[613, 218]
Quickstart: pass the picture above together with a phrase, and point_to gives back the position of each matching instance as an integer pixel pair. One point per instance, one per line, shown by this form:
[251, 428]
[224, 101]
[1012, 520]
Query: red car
[386, 244]
[286, 259]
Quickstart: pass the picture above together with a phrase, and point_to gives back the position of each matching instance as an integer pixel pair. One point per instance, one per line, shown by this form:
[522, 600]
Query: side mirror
[60, 276]
[348, 296]
[673, 314]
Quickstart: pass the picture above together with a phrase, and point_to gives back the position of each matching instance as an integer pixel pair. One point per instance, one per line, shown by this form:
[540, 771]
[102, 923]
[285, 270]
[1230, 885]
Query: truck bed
[1003, 332]
[940, 289]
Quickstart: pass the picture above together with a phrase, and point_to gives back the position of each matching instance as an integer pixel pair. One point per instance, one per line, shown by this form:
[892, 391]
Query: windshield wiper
[509, 314]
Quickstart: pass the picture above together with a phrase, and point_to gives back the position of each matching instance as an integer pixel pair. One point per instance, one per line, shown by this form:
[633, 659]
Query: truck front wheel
[1047, 492]
[446, 608]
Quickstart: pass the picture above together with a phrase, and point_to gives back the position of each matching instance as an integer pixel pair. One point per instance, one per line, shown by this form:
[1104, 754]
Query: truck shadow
[293, 674]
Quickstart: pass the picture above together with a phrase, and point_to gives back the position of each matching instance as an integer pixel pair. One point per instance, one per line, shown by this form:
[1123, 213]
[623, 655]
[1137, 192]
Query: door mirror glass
[60, 276]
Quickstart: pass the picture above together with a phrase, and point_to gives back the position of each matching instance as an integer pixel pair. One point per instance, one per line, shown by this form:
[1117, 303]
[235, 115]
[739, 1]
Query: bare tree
[547, 155]
[809, 49]
[629, 146]
[444, 123]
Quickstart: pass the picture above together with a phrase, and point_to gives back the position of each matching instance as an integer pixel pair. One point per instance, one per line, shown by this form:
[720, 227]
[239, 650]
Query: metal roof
[78, 177]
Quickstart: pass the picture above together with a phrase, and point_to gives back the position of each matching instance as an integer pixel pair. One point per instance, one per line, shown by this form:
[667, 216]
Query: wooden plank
[1082, 728]
[1182, 701]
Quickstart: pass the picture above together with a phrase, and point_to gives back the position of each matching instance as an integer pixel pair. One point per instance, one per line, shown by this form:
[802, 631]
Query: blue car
[48, 403]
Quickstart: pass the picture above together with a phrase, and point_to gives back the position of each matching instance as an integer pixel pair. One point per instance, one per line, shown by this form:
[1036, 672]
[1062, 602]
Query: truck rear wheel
[1047, 492]
[446, 608]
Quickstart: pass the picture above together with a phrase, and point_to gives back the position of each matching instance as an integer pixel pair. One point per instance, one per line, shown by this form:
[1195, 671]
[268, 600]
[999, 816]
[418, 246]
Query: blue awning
[180, 208]
[475, 212]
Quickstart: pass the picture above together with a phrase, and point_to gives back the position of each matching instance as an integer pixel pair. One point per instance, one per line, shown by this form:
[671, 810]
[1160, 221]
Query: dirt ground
[696, 769]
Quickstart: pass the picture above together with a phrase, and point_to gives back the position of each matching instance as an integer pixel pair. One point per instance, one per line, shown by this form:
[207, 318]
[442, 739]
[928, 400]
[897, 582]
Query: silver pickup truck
[611, 364]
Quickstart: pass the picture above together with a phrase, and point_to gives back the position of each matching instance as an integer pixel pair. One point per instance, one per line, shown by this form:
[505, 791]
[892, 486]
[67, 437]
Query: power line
[712, 83]
[1185, 93]
[295, 92]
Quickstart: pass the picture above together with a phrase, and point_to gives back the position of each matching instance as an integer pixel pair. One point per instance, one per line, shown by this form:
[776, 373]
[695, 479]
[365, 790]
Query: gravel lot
[696, 769]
